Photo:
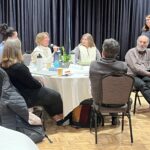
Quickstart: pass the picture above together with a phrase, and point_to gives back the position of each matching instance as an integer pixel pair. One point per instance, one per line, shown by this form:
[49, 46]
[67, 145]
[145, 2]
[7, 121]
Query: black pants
[48, 98]
[143, 85]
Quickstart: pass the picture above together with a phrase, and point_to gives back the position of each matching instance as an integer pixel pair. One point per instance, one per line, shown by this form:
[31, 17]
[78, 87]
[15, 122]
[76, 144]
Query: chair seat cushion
[113, 109]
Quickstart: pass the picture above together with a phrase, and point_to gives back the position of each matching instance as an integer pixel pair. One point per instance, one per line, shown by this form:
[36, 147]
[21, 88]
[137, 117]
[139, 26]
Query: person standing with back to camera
[42, 40]
[6, 32]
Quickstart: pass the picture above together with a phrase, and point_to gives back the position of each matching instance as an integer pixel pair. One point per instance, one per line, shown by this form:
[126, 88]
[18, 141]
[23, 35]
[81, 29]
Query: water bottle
[57, 55]
[56, 64]
[39, 62]
[72, 53]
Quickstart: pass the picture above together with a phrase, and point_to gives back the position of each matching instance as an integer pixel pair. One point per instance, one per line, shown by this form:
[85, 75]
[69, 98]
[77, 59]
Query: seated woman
[6, 32]
[86, 51]
[32, 91]
[42, 41]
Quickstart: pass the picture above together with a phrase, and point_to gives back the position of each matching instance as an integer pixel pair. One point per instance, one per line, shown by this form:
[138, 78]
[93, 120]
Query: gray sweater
[138, 64]
[98, 69]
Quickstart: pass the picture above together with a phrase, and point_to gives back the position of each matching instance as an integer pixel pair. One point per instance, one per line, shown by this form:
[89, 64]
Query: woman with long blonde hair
[32, 91]
[86, 51]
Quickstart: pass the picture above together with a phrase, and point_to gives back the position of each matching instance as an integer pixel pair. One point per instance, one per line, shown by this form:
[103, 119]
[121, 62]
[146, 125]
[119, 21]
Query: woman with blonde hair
[42, 40]
[86, 51]
[32, 91]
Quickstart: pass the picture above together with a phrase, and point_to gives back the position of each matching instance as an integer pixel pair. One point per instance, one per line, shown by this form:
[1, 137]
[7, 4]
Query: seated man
[106, 65]
[138, 61]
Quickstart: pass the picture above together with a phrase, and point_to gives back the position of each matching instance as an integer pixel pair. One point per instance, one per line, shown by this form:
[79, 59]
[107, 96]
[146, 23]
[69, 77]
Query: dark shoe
[65, 121]
[60, 122]
[115, 121]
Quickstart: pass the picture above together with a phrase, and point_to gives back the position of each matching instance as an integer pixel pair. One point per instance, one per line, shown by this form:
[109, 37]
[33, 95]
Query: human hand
[55, 48]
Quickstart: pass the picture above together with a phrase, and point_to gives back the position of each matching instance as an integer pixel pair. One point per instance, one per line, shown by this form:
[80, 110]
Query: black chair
[39, 110]
[116, 90]
[137, 97]
[26, 59]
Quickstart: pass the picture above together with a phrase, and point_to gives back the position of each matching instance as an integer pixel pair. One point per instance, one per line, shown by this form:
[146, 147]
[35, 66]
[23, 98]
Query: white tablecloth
[73, 88]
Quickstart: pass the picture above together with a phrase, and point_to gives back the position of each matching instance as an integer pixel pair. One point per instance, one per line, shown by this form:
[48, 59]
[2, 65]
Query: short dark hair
[6, 31]
[111, 48]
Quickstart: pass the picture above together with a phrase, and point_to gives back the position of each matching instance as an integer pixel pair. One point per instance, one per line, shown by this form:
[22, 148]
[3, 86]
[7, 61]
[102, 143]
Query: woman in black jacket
[32, 91]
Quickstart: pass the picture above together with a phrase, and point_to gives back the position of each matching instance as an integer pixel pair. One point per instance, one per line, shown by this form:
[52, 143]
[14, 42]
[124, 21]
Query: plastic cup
[60, 71]
[48, 65]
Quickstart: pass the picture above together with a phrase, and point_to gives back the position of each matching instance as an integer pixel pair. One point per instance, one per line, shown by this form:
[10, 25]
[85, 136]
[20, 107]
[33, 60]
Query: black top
[22, 79]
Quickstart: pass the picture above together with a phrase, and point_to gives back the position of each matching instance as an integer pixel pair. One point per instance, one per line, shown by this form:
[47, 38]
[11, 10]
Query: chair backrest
[116, 89]
[26, 59]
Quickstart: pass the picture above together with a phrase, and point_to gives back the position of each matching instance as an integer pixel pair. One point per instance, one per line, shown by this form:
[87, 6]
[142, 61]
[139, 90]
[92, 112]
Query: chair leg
[103, 120]
[139, 99]
[43, 121]
[136, 95]
[122, 128]
[130, 124]
[95, 118]
[48, 138]
[91, 119]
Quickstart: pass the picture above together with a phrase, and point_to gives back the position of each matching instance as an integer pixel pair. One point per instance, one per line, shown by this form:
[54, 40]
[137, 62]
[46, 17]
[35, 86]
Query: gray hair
[111, 48]
[143, 36]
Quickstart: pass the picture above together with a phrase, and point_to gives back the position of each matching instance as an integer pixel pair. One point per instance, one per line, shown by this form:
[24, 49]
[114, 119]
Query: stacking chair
[137, 97]
[27, 59]
[115, 98]
[39, 110]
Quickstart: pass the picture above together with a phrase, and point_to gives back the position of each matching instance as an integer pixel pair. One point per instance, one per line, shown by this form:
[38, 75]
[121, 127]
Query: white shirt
[45, 52]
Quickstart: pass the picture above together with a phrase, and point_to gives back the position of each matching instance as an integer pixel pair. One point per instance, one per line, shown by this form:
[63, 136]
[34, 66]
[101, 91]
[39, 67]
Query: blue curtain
[119, 19]
[67, 20]
[30, 17]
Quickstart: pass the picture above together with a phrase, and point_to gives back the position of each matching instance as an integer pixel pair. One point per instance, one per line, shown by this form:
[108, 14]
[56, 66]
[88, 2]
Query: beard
[141, 49]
